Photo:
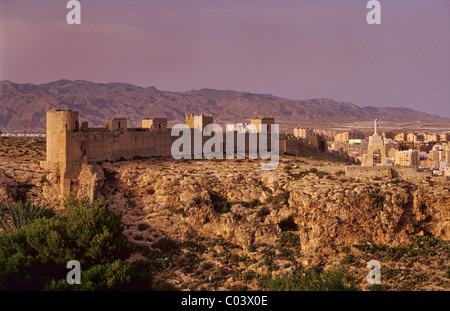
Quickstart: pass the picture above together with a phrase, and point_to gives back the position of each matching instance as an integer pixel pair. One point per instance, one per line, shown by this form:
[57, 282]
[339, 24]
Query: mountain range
[24, 106]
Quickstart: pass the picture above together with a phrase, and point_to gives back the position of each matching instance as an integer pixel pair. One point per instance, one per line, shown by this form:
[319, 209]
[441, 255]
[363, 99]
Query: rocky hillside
[23, 106]
[221, 225]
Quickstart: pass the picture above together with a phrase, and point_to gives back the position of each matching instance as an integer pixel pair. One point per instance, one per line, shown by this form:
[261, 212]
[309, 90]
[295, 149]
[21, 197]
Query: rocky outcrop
[22, 180]
[90, 181]
[328, 213]
[240, 202]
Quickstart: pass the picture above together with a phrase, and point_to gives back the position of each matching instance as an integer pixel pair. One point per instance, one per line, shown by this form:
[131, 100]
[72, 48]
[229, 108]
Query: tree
[35, 254]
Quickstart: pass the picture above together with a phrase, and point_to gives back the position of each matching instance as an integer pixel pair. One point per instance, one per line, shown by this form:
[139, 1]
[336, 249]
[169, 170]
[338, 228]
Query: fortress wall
[238, 136]
[144, 144]
[114, 146]
[70, 158]
[75, 154]
[100, 146]
[384, 172]
[368, 171]
[133, 144]
[291, 147]
[162, 143]
[409, 172]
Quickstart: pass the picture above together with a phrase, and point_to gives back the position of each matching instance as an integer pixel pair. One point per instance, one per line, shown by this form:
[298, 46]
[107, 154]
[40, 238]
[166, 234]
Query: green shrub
[238, 288]
[268, 255]
[314, 279]
[288, 239]
[19, 267]
[249, 275]
[89, 233]
[34, 256]
[207, 266]
[420, 245]
[117, 275]
[188, 262]
[167, 245]
[194, 247]
[23, 214]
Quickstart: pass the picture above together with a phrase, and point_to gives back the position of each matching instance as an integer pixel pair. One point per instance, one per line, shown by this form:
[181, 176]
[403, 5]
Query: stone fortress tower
[58, 121]
[70, 146]
[159, 124]
[59, 158]
[198, 122]
[257, 122]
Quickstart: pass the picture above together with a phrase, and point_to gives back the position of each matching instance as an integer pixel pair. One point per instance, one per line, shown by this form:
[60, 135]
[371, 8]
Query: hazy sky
[293, 49]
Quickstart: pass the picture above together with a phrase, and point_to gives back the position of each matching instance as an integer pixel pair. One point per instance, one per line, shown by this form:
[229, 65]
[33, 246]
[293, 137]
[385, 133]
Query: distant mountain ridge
[24, 106]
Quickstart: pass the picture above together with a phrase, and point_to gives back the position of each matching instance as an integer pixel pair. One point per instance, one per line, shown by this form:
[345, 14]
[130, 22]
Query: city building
[407, 158]
[414, 137]
[345, 137]
[357, 141]
[318, 141]
[388, 135]
[431, 137]
[400, 137]
[444, 137]
[302, 132]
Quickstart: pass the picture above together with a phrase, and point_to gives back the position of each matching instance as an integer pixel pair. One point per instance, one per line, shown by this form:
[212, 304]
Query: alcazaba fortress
[71, 144]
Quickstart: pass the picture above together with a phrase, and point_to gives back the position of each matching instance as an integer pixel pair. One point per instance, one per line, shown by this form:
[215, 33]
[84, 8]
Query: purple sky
[292, 49]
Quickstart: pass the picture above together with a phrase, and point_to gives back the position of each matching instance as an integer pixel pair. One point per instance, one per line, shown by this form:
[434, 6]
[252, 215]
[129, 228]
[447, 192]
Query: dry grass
[23, 148]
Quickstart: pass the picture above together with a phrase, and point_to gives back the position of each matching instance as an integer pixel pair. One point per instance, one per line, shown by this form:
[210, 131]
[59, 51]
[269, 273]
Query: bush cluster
[34, 256]
[314, 279]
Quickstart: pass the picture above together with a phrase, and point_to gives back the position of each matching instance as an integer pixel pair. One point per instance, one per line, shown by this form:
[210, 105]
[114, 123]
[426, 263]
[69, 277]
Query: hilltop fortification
[71, 145]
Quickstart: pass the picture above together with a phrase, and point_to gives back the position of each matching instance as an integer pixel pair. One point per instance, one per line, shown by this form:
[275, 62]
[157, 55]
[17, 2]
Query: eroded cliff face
[239, 204]
[25, 180]
[246, 205]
